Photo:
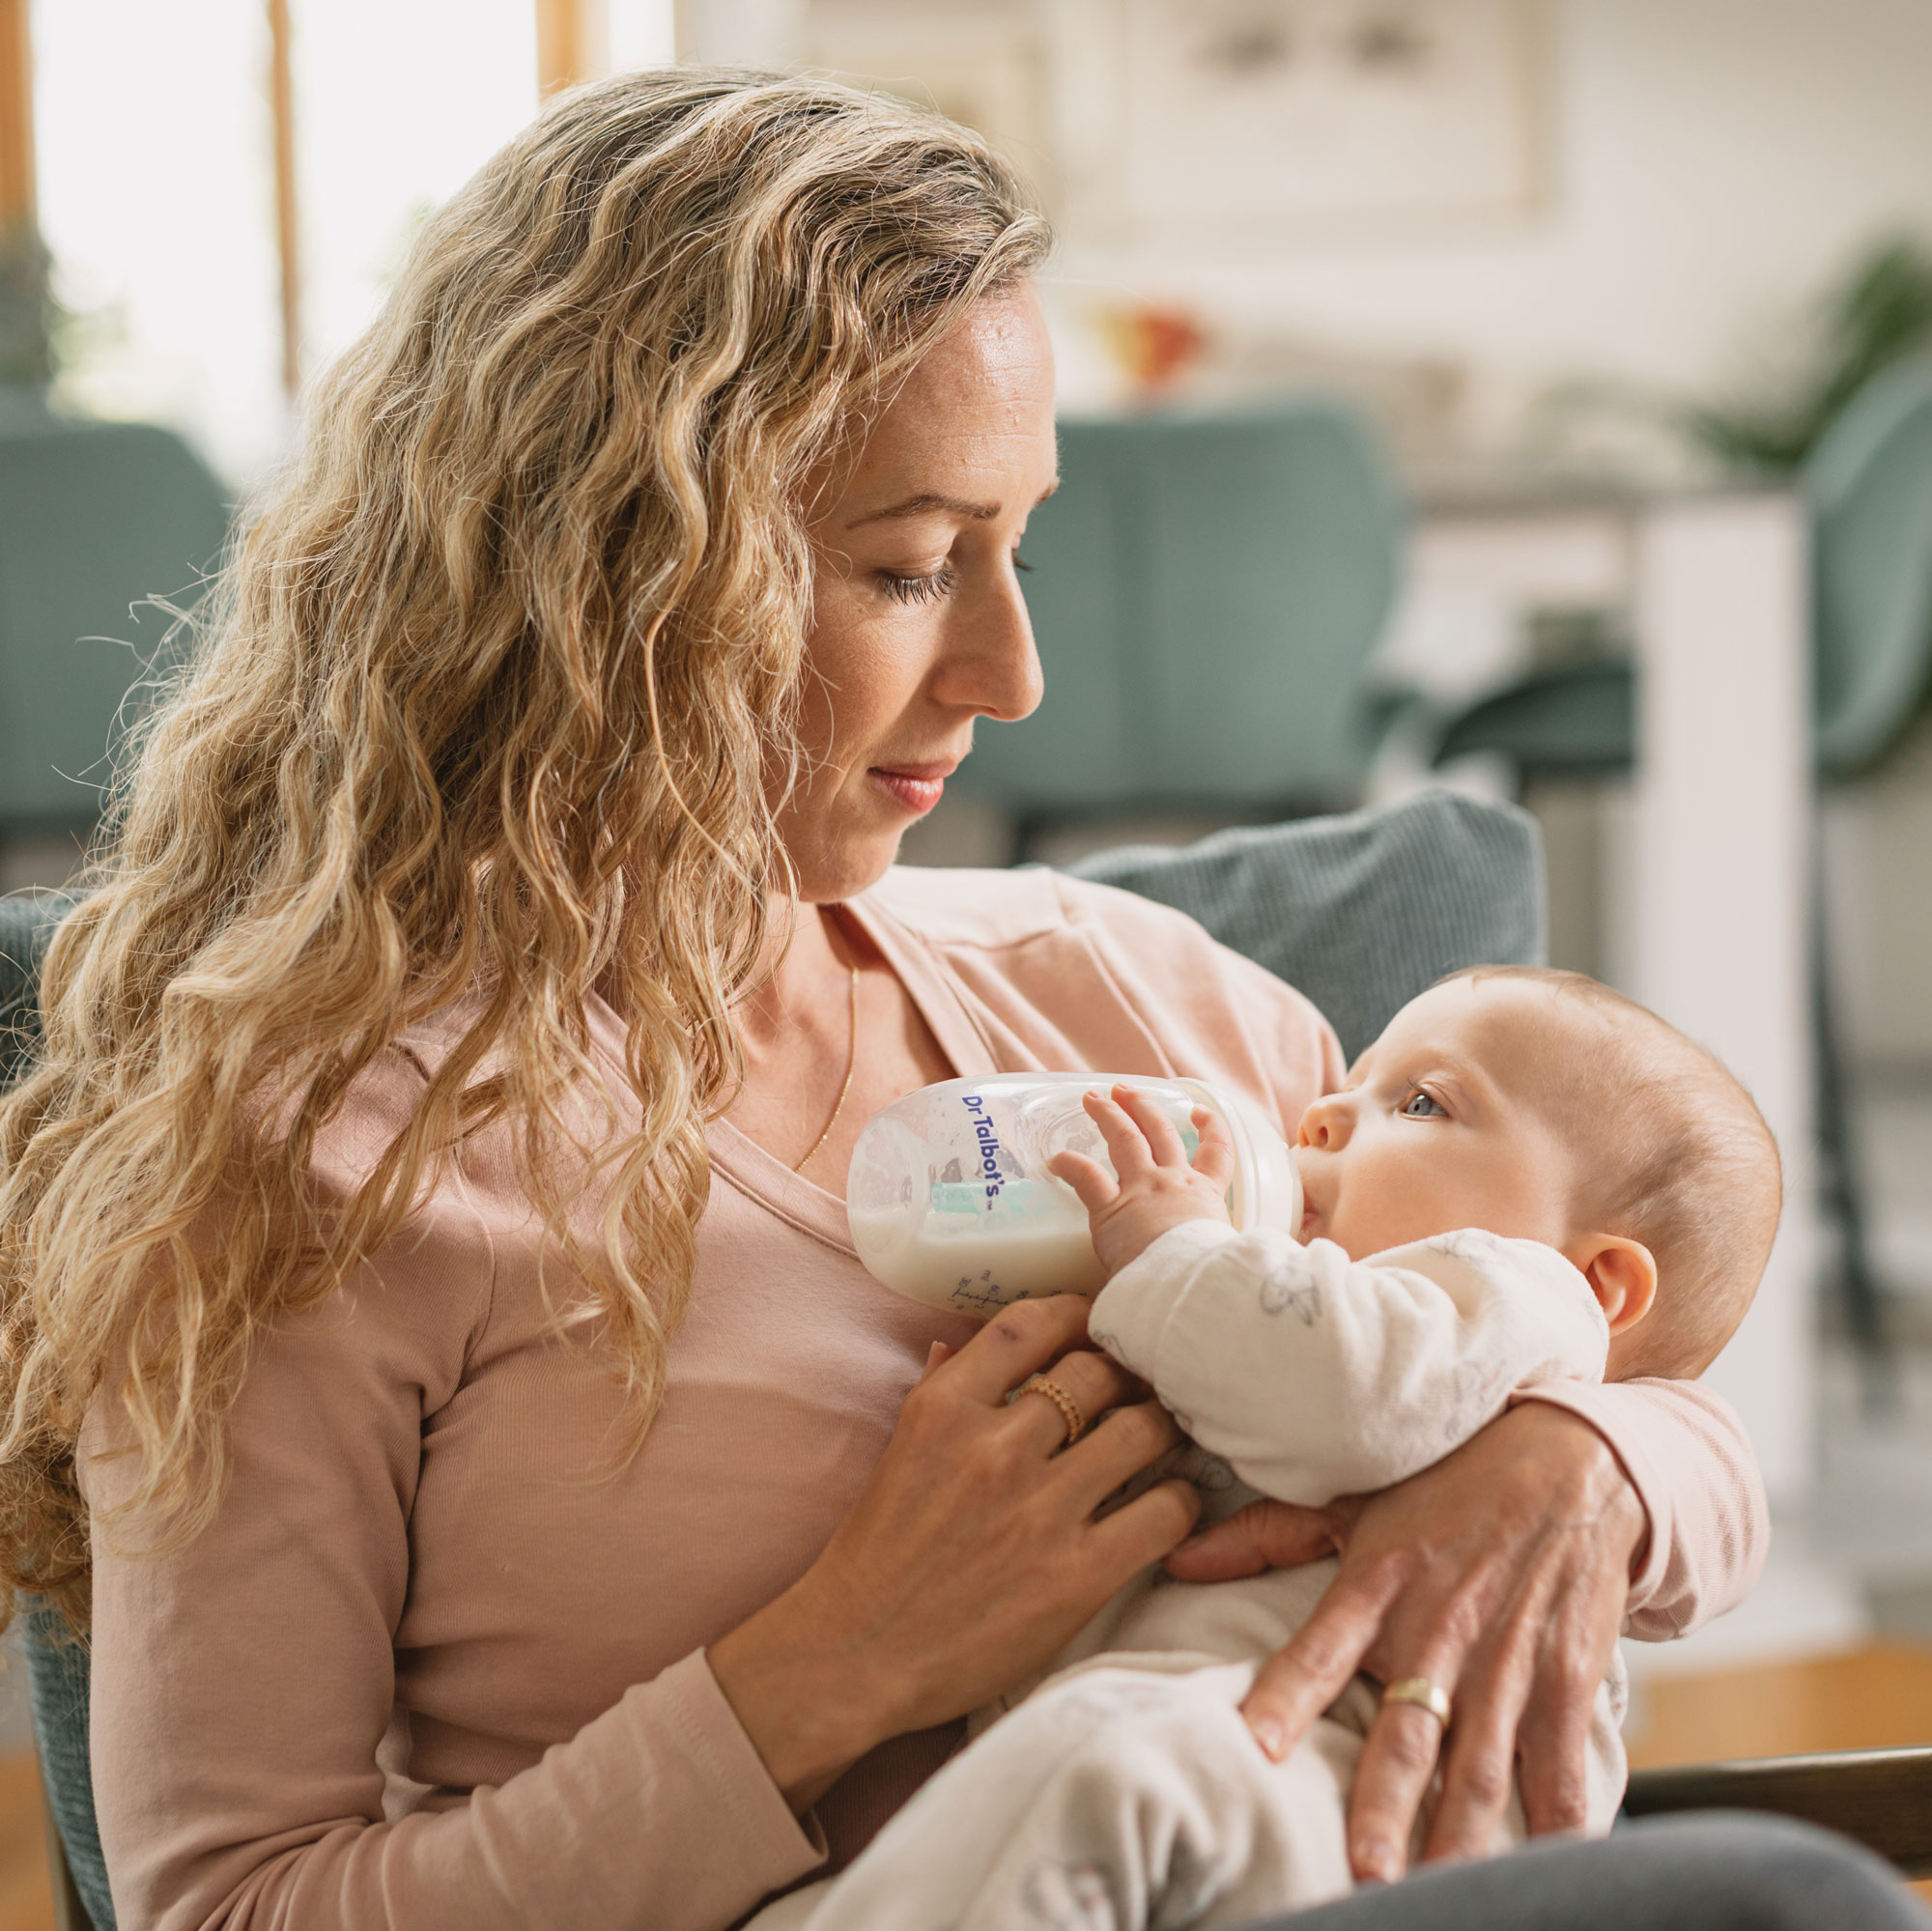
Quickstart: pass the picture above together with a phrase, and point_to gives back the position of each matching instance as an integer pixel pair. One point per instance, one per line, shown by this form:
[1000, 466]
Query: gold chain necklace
[851, 1063]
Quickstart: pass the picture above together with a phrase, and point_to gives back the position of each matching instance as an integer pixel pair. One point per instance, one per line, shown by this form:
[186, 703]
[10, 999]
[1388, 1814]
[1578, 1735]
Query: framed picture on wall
[1193, 117]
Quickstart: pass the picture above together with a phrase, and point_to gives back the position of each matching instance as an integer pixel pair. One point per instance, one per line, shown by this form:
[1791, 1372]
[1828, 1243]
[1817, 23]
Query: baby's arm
[1315, 1375]
[1318, 1376]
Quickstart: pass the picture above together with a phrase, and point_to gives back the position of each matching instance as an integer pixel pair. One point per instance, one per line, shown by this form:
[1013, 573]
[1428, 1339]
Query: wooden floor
[1866, 1699]
[1872, 1698]
[26, 1900]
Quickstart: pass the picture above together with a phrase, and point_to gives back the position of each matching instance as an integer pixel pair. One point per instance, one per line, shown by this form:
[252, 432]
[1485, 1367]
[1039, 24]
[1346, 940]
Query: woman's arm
[244, 1683]
[1502, 1573]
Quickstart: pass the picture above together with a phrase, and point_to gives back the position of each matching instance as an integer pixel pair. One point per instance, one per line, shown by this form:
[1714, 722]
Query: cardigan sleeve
[244, 1678]
[1690, 1463]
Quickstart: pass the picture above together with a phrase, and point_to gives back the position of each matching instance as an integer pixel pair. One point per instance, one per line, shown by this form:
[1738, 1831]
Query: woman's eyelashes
[926, 586]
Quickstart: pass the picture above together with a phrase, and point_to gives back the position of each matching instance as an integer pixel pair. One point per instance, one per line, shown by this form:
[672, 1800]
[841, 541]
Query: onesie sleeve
[1317, 1375]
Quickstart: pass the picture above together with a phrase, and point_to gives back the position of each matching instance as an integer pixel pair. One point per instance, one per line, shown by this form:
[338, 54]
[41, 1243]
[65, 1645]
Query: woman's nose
[990, 665]
[1327, 1124]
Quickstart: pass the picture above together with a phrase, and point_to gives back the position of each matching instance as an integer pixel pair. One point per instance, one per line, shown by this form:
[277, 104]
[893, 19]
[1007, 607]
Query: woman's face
[918, 622]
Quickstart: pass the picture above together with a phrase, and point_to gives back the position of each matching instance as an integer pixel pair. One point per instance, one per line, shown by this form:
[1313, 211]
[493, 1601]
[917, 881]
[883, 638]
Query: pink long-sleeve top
[439, 1661]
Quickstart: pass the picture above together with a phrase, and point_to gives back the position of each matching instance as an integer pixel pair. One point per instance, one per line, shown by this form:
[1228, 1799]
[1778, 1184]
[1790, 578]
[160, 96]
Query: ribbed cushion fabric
[27, 921]
[56, 1663]
[57, 1670]
[1362, 912]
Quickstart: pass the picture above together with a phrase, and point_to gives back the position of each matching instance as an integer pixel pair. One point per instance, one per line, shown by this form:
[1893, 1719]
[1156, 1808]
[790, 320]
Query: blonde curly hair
[492, 702]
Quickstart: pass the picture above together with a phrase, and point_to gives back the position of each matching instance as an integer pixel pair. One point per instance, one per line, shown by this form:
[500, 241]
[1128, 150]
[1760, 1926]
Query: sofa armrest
[1881, 1798]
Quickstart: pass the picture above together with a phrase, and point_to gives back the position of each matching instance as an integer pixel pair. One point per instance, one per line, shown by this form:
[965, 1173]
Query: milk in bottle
[950, 1199]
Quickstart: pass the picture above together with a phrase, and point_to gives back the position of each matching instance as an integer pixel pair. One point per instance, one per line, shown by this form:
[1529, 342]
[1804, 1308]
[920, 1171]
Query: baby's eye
[1420, 1105]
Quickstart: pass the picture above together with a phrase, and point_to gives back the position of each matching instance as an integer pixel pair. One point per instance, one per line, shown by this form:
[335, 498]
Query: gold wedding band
[1419, 1691]
[1070, 1409]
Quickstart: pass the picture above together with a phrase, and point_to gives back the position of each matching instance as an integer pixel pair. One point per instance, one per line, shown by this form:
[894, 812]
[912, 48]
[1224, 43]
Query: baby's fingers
[1126, 1145]
[1163, 1141]
[1089, 1179]
[1214, 1157]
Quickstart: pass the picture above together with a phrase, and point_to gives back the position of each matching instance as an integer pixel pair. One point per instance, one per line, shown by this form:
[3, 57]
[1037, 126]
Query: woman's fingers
[1264, 1535]
[1299, 1681]
[1551, 1752]
[1127, 1441]
[1094, 1382]
[1141, 1531]
[1479, 1761]
[1019, 1341]
[1565, 1677]
[1391, 1779]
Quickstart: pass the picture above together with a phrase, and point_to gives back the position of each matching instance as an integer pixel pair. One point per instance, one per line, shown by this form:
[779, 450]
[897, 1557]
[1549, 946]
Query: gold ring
[1070, 1409]
[1419, 1691]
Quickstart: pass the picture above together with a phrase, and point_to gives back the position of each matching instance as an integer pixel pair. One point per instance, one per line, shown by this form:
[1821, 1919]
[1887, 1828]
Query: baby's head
[1541, 1105]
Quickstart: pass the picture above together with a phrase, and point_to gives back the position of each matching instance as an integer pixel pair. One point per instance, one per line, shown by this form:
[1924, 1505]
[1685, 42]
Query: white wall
[1709, 159]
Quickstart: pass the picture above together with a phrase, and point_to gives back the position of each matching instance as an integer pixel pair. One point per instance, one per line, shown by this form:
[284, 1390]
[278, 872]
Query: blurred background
[1528, 396]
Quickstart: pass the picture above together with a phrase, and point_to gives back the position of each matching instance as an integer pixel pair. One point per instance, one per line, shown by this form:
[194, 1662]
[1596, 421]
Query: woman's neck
[810, 965]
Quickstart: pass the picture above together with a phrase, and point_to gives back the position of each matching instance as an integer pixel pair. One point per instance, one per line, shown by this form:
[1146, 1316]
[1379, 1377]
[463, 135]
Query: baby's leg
[1117, 1798]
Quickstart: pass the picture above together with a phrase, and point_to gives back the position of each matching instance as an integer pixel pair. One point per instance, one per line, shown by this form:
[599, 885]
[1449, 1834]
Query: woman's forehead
[972, 424]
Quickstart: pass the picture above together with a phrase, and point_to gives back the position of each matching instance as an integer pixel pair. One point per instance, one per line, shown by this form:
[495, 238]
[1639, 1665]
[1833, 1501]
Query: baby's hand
[1156, 1189]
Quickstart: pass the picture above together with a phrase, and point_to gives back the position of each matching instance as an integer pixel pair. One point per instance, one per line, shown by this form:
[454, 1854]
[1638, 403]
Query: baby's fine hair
[1679, 1157]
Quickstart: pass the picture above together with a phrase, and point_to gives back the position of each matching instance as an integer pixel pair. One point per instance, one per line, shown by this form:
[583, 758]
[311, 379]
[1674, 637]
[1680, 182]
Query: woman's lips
[919, 787]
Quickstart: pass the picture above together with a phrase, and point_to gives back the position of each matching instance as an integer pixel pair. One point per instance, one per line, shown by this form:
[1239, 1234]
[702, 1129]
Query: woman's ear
[1622, 1275]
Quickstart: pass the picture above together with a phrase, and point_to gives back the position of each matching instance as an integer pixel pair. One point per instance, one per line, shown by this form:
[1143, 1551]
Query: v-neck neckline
[801, 1202]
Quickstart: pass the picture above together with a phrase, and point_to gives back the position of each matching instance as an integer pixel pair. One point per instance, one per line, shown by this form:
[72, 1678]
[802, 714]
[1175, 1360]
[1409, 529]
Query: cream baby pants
[1125, 1794]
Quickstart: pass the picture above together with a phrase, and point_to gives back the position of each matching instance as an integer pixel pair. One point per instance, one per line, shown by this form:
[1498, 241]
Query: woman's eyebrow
[927, 501]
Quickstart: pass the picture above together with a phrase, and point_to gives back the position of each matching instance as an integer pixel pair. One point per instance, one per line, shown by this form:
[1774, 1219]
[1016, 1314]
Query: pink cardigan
[439, 1661]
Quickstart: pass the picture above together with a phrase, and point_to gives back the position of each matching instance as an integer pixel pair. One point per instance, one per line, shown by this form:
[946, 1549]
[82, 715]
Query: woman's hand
[972, 1556]
[1500, 1575]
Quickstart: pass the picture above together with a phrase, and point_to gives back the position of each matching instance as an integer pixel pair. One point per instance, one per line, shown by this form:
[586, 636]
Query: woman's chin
[841, 869]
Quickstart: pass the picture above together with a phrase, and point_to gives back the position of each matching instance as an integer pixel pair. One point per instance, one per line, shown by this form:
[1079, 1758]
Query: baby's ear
[1622, 1275]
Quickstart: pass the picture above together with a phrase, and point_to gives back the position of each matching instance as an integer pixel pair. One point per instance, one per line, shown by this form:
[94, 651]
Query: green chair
[1868, 487]
[94, 518]
[1205, 589]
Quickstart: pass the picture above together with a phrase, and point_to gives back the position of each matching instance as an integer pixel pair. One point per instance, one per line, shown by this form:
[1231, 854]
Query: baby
[1527, 1177]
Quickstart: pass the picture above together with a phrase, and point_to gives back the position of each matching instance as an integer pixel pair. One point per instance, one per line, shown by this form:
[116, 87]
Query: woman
[432, 1343]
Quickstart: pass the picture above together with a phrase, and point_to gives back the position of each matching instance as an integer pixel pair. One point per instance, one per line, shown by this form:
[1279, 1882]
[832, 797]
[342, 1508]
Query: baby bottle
[951, 1201]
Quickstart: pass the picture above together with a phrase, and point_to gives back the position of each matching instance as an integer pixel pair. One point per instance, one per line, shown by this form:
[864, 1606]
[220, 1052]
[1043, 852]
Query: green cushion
[1360, 911]
[27, 921]
[57, 1671]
